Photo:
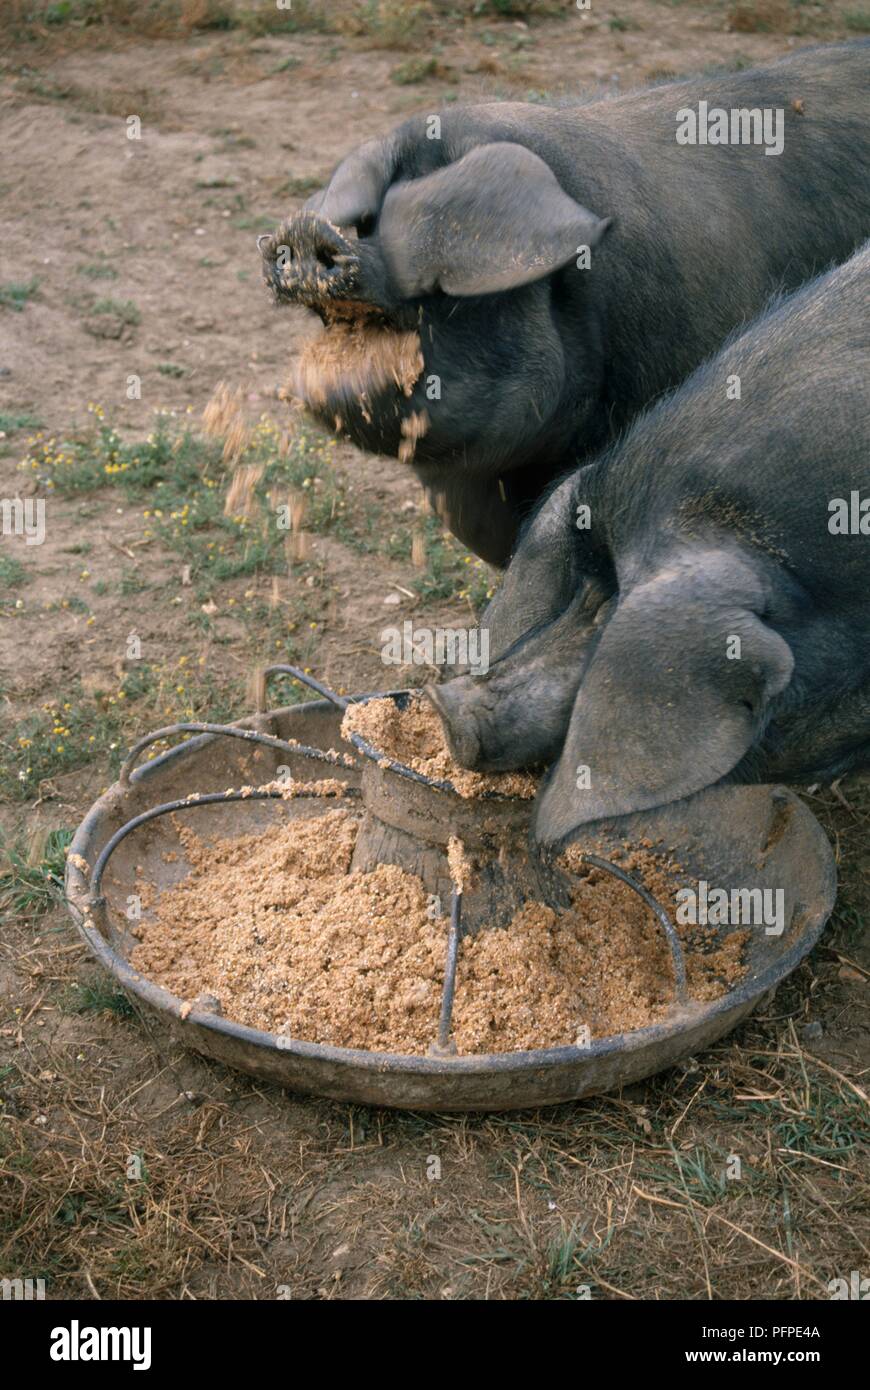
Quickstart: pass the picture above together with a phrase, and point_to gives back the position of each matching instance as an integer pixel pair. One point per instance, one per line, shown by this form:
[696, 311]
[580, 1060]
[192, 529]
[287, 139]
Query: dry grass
[390, 24]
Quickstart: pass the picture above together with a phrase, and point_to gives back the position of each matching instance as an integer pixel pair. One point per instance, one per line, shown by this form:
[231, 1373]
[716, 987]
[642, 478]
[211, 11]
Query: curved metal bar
[368, 750]
[393, 765]
[677, 956]
[185, 804]
[338, 700]
[230, 731]
[443, 1047]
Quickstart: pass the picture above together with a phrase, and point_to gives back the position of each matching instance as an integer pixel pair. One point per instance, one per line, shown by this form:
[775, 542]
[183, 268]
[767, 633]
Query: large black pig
[467, 228]
[708, 617]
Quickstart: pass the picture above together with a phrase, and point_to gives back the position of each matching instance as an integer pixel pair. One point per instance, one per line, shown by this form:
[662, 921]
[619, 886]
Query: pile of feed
[289, 940]
[414, 736]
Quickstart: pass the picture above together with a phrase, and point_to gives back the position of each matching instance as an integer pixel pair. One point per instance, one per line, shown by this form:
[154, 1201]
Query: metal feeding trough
[746, 837]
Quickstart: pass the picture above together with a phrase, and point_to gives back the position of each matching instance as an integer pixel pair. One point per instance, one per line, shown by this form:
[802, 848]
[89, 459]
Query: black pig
[711, 621]
[531, 363]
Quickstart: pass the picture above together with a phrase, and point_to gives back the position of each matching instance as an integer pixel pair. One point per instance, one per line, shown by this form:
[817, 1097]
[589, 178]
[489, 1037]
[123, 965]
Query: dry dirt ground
[125, 258]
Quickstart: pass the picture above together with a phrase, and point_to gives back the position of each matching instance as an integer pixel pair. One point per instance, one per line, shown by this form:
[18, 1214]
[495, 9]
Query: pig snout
[513, 717]
[516, 715]
[309, 261]
[460, 703]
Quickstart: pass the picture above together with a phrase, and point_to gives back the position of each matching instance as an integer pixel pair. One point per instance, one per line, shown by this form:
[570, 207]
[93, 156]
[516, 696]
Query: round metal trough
[741, 837]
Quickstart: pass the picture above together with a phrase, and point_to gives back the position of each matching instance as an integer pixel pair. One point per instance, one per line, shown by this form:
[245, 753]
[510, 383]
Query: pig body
[708, 617]
[531, 363]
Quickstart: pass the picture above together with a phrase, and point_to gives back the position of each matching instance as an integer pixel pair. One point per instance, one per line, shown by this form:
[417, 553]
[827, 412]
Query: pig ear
[667, 705]
[355, 192]
[495, 219]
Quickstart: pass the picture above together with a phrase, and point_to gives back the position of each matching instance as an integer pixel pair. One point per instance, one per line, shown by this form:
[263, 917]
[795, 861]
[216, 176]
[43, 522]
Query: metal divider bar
[677, 956]
[443, 1047]
[183, 804]
[230, 731]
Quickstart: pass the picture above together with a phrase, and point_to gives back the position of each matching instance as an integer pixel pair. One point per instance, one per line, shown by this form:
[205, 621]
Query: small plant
[100, 271]
[301, 186]
[123, 309]
[15, 296]
[414, 70]
[10, 421]
[263, 223]
[393, 23]
[28, 887]
[131, 582]
[760, 16]
[97, 997]
[12, 572]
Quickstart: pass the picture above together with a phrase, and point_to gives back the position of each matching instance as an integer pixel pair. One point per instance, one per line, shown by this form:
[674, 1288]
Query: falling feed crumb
[357, 360]
[277, 928]
[413, 427]
[414, 736]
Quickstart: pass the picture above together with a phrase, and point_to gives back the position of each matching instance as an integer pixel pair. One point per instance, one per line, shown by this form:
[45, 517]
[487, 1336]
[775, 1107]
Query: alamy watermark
[22, 1290]
[23, 516]
[855, 1288]
[77, 1343]
[440, 646]
[713, 125]
[849, 516]
[749, 907]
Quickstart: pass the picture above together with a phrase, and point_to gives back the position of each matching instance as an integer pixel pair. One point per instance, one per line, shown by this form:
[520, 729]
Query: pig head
[459, 258]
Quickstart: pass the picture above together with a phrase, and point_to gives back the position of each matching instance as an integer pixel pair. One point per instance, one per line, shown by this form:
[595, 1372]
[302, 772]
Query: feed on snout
[709, 621]
[277, 929]
[562, 268]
